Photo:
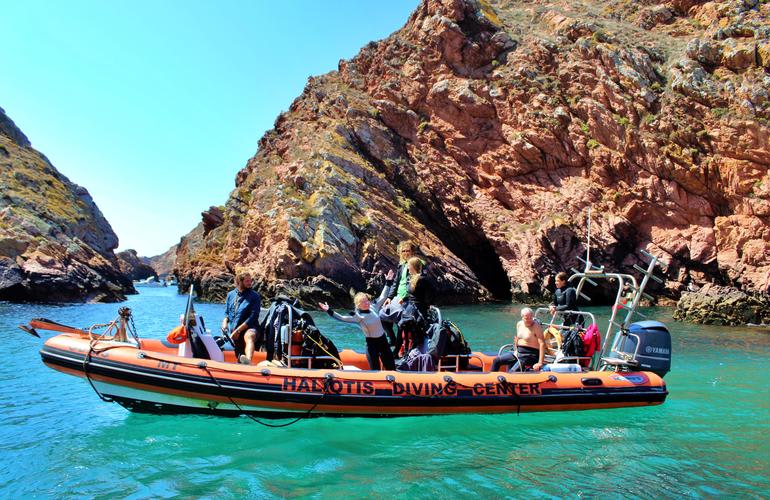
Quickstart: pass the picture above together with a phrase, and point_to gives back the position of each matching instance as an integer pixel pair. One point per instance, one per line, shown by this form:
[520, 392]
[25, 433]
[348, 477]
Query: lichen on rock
[715, 305]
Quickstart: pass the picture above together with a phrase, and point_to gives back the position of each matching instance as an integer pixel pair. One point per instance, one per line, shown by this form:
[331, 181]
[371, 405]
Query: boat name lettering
[423, 389]
[167, 365]
[505, 389]
[297, 384]
[366, 387]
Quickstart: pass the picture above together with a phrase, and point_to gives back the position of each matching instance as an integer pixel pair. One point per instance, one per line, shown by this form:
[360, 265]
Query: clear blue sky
[154, 106]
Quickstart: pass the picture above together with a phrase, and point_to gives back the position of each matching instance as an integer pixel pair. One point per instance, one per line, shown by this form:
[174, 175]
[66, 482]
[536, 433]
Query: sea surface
[710, 439]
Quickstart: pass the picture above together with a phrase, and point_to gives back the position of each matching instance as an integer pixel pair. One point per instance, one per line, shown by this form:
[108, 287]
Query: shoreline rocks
[135, 267]
[164, 263]
[718, 305]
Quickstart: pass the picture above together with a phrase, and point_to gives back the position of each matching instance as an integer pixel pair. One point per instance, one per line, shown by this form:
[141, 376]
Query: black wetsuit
[414, 314]
[421, 295]
[378, 354]
[388, 325]
[528, 357]
[565, 299]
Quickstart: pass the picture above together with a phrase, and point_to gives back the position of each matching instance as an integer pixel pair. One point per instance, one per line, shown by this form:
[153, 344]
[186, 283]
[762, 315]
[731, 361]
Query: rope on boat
[109, 326]
[87, 360]
[203, 365]
[324, 350]
[255, 419]
[123, 312]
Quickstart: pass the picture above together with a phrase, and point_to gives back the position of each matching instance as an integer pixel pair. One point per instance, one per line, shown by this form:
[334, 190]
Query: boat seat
[621, 363]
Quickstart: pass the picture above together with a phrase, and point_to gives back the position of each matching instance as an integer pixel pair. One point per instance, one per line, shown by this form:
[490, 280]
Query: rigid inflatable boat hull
[153, 379]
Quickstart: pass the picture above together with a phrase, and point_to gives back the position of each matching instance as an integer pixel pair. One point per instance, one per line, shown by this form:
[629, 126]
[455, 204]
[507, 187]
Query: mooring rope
[243, 412]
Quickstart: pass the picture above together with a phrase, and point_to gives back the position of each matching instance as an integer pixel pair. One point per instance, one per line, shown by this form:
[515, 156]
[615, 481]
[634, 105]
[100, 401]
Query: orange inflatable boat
[150, 375]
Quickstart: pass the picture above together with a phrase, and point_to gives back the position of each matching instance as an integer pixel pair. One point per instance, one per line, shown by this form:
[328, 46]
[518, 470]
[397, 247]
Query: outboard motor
[654, 352]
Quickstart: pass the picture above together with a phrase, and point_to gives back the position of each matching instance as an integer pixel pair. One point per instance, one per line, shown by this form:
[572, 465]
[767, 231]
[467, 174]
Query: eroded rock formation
[163, 264]
[55, 244]
[484, 130]
[133, 266]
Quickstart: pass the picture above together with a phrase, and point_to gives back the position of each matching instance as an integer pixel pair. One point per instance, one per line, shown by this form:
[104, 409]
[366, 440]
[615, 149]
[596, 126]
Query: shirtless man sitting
[529, 343]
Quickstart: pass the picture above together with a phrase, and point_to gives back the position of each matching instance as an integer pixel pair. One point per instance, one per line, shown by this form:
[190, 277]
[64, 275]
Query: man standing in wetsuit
[564, 299]
[242, 317]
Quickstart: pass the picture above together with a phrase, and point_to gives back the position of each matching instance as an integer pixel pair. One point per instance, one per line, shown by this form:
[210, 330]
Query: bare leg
[249, 338]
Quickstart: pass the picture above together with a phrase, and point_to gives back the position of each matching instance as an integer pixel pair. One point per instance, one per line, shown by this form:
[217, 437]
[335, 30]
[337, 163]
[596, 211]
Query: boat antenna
[588, 244]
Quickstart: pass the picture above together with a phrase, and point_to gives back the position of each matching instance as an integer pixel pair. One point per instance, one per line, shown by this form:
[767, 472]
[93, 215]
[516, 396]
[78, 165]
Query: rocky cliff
[134, 266]
[55, 244]
[164, 263]
[484, 129]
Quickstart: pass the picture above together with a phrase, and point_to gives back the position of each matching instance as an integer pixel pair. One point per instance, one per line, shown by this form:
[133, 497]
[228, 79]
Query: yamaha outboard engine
[654, 352]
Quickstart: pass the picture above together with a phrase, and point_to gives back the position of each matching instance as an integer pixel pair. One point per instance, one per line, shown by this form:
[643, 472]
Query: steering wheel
[227, 337]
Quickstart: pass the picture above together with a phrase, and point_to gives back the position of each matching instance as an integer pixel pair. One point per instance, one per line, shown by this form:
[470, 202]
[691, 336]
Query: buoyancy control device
[276, 329]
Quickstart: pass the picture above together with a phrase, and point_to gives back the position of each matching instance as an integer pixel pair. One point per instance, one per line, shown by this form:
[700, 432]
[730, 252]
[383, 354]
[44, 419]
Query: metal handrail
[626, 283]
[503, 347]
[457, 360]
[309, 359]
[568, 358]
[557, 314]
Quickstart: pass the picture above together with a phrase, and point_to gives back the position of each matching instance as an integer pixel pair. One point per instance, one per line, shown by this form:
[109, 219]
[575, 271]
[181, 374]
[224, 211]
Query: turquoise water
[57, 439]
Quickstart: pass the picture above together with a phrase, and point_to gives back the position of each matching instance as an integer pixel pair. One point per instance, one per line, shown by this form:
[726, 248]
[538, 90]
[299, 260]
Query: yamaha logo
[655, 350]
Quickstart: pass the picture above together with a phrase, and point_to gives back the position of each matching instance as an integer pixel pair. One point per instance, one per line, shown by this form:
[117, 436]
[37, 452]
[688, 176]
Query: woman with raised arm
[367, 316]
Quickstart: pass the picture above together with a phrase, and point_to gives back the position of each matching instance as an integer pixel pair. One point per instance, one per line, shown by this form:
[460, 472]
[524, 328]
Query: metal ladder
[628, 296]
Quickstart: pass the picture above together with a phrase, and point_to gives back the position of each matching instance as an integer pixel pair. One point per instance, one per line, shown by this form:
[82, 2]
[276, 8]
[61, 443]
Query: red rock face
[163, 264]
[484, 130]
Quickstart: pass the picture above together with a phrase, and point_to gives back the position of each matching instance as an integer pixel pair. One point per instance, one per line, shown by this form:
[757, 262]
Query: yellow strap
[327, 352]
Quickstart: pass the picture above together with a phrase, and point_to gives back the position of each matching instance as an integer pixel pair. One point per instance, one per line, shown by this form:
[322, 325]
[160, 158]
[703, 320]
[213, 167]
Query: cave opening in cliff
[482, 259]
[477, 253]
[472, 247]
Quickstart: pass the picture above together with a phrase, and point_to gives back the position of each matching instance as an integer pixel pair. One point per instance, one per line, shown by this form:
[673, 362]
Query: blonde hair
[416, 264]
[359, 297]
